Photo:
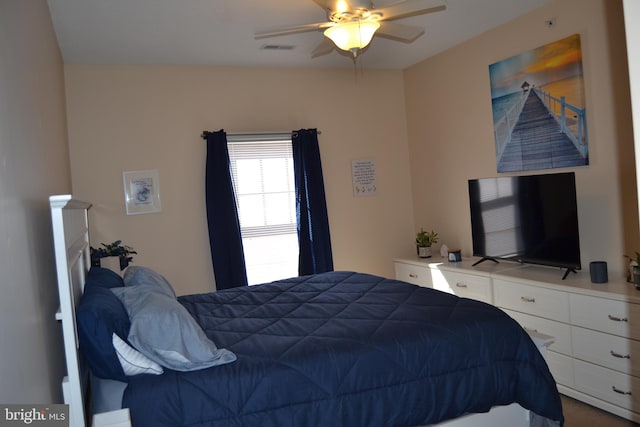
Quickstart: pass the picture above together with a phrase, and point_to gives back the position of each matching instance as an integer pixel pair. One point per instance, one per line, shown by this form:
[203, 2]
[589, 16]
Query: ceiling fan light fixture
[352, 35]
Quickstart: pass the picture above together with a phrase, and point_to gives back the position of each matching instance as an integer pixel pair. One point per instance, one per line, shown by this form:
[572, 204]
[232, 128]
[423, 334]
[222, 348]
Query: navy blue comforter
[347, 349]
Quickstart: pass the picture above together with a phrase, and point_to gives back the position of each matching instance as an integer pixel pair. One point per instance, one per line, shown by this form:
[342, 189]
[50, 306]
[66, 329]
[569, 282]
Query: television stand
[483, 259]
[569, 270]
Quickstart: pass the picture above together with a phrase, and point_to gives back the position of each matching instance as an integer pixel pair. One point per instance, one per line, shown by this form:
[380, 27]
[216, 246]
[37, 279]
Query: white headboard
[71, 246]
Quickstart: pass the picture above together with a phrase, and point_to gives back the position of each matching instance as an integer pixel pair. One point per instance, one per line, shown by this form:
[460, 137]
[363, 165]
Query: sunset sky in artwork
[552, 62]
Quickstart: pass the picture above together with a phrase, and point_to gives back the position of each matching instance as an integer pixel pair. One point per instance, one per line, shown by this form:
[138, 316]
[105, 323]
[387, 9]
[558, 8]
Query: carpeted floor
[578, 414]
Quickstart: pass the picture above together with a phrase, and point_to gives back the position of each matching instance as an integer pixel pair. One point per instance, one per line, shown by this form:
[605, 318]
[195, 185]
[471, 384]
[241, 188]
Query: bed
[341, 349]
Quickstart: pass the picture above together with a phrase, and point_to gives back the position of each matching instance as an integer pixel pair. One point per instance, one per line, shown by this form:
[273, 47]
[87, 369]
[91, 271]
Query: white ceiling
[220, 32]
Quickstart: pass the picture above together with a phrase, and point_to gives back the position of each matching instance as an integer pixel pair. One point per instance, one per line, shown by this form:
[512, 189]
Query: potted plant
[121, 255]
[424, 241]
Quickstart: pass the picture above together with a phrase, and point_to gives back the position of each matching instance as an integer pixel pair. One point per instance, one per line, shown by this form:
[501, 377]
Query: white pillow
[133, 362]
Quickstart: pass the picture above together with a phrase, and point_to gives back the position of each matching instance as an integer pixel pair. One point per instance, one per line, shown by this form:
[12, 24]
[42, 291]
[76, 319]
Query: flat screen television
[529, 219]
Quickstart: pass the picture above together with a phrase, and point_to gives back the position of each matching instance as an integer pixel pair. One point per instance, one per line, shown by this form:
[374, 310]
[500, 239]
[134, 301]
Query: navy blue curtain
[222, 216]
[311, 205]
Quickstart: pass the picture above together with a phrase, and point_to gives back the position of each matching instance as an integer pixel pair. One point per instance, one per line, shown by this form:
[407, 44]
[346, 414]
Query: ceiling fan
[352, 24]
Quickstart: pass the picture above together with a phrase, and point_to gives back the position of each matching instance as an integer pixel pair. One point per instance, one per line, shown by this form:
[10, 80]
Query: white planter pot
[424, 251]
[112, 263]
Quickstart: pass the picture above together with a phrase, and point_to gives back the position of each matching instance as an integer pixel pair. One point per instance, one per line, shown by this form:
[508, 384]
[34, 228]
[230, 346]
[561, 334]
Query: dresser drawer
[561, 332]
[542, 302]
[606, 315]
[561, 368]
[415, 274]
[611, 386]
[463, 285]
[607, 350]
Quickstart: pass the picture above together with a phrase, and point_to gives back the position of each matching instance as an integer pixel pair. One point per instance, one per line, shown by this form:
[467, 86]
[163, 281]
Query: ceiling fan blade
[401, 32]
[325, 47]
[292, 30]
[410, 8]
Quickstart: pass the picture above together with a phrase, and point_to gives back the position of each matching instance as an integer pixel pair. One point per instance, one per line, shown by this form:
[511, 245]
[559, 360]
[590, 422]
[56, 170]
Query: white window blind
[262, 174]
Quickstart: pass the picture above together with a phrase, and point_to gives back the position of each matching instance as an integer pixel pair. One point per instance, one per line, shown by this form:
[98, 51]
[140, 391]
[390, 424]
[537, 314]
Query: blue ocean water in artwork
[501, 104]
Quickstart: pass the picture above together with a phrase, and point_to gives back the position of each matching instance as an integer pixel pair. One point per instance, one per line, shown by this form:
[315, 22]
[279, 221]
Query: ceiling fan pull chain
[355, 70]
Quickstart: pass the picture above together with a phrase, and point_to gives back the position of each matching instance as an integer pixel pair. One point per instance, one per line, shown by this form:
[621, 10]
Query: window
[262, 173]
[501, 217]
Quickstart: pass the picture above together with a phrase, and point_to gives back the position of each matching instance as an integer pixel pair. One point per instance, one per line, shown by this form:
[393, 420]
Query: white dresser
[458, 278]
[595, 356]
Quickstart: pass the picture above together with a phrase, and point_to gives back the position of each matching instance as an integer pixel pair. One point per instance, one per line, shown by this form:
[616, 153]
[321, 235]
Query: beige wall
[34, 163]
[124, 118]
[631, 20]
[451, 136]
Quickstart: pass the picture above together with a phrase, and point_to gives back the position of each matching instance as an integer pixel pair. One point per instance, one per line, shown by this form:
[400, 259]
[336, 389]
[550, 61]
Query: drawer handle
[413, 275]
[528, 299]
[461, 285]
[620, 356]
[618, 319]
[620, 391]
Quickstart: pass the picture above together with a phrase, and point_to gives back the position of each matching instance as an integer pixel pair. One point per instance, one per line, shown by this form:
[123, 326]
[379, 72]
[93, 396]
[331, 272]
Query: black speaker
[598, 270]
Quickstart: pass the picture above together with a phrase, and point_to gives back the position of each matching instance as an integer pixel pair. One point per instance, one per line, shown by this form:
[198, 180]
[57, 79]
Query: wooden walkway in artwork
[537, 141]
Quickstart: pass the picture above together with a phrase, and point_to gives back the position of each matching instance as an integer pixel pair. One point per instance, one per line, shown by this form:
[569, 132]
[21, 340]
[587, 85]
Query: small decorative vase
[636, 277]
[630, 267]
[424, 251]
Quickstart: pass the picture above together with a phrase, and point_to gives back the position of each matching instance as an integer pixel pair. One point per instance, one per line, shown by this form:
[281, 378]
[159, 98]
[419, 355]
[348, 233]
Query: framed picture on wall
[142, 192]
[539, 108]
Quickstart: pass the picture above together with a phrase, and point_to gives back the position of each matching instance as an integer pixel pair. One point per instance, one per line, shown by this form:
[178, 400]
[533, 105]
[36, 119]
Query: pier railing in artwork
[503, 128]
[558, 108]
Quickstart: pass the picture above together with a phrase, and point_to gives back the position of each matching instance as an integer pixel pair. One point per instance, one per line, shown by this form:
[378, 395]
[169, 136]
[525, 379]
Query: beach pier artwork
[539, 113]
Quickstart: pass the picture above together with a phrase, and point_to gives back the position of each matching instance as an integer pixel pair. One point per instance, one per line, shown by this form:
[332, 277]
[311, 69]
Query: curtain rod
[244, 135]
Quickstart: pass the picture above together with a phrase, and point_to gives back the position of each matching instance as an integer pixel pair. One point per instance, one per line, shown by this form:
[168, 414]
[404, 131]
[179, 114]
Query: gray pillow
[137, 276]
[164, 331]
